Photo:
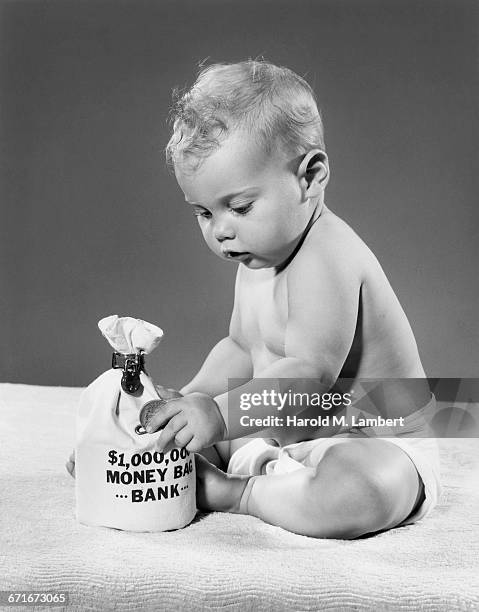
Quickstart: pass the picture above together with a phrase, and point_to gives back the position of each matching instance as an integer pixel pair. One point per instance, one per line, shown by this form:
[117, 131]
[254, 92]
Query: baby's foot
[217, 491]
[70, 464]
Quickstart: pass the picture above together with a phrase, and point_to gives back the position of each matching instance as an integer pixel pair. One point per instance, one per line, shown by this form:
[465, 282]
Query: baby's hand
[192, 421]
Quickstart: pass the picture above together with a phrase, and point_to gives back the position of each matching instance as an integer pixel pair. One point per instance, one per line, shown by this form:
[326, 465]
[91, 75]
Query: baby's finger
[155, 413]
[170, 430]
[194, 446]
[167, 392]
[183, 437]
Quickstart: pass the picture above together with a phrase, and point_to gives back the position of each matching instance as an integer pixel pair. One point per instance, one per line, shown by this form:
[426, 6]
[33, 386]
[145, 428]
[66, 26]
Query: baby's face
[249, 206]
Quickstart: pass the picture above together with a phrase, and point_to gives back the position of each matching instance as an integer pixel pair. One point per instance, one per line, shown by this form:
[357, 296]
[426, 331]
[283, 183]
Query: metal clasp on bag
[132, 364]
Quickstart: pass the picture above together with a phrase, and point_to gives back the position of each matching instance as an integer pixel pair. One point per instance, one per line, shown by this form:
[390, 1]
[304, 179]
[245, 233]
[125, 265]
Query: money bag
[121, 479]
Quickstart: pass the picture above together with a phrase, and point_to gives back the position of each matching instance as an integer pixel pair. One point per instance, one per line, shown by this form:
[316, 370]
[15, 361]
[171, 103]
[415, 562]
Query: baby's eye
[242, 210]
[201, 212]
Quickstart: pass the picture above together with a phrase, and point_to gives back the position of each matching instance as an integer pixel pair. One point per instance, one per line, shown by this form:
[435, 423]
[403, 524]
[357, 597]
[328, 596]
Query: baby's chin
[257, 264]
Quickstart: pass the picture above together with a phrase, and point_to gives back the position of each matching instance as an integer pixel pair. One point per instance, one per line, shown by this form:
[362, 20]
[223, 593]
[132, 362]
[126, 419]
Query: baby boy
[311, 303]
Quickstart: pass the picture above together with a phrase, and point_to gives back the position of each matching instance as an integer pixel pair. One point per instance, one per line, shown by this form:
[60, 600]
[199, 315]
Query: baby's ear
[313, 173]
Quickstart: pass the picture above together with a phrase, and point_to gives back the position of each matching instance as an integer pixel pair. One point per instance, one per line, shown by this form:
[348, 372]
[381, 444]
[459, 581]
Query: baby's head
[248, 152]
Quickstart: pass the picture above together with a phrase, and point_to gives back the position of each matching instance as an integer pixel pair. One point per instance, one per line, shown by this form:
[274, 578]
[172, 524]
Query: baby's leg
[217, 491]
[214, 456]
[220, 453]
[358, 487]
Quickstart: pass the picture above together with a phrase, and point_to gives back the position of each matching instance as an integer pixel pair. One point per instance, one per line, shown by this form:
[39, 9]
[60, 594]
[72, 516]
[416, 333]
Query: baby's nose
[223, 231]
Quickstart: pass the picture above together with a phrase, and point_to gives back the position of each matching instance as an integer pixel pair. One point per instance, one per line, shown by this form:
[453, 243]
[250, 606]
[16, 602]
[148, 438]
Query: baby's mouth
[235, 254]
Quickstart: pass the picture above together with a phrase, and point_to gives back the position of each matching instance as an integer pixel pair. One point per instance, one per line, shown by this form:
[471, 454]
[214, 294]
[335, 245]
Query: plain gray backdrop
[93, 223]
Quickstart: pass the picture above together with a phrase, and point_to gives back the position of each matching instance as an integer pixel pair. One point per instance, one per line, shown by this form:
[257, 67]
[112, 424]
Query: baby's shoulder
[333, 244]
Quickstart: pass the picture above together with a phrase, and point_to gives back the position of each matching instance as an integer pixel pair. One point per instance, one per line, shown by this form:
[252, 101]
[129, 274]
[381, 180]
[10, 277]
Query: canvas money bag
[122, 480]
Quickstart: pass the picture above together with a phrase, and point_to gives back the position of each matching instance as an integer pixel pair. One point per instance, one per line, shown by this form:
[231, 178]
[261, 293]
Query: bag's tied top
[131, 339]
[127, 335]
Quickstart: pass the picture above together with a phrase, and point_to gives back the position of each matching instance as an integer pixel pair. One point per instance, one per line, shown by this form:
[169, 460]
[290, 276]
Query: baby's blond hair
[275, 105]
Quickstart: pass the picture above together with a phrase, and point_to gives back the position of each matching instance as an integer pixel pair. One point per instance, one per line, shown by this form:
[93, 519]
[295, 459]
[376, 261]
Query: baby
[311, 303]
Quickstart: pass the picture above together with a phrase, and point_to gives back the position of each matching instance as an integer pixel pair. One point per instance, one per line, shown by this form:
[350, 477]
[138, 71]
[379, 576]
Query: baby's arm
[226, 360]
[323, 297]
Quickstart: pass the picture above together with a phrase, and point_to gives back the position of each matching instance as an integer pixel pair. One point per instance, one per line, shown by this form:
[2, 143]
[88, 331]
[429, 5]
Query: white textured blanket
[221, 561]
